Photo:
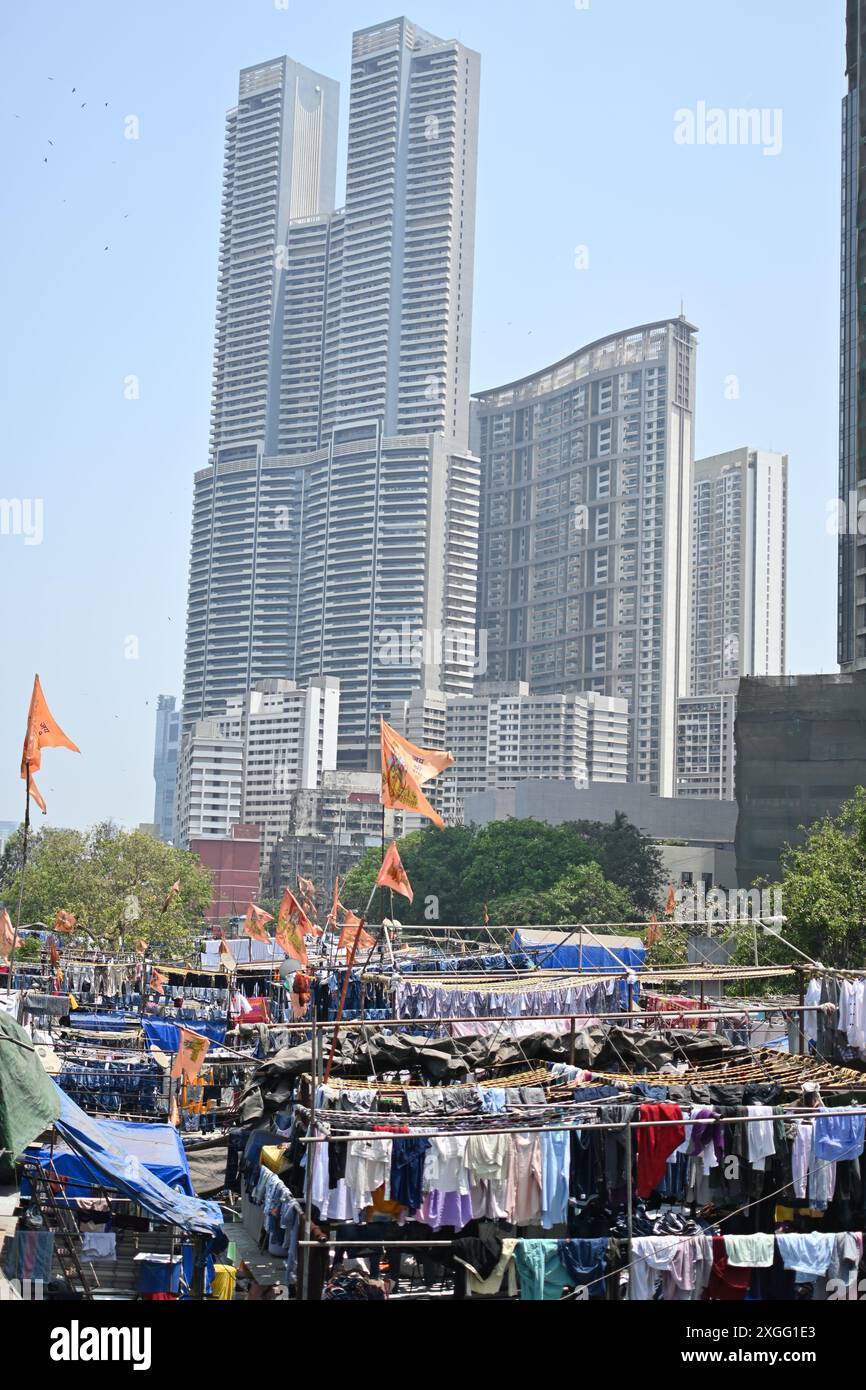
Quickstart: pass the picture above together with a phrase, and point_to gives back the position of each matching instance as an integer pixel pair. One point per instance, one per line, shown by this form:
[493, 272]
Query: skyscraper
[165, 749]
[852, 366]
[739, 568]
[586, 488]
[349, 509]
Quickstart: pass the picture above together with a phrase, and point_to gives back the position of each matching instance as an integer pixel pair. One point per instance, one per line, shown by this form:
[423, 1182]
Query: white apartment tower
[343, 503]
[286, 738]
[738, 569]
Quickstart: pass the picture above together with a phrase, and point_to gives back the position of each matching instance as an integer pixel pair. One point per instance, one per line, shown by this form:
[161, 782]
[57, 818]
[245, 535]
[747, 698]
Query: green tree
[626, 857]
[581, 895]
[824, 887]
[115, 882]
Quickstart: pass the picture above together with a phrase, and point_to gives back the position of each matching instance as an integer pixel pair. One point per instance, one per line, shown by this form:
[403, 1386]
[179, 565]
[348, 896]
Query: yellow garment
[223, 1283]
[385, 1206]
[274, 1157]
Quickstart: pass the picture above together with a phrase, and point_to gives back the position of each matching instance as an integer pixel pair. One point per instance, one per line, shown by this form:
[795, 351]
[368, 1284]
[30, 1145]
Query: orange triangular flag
[653, 932]
[174, 1113]
[158, 981]
[292, 923]
[43, 731]
[400, 784]
[53, 954]
[191, 1052]
[332, 915]
[352, 931]
[393, 875]
[36, 796]
[349, 918]
[64, 921]
[254, 924]
[7, 934]
[172, 893]
[307, 887]
[671, 901]
[140, 946]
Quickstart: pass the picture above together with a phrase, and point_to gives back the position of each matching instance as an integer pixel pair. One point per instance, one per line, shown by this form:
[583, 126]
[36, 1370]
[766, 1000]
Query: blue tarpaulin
[158, 1032]
[144, 1162]
[116, 1022]
[569, 955]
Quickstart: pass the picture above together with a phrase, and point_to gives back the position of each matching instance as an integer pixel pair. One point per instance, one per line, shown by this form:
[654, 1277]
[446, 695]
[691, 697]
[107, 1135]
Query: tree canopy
[114, 881]
[522, 870]
[824, 887]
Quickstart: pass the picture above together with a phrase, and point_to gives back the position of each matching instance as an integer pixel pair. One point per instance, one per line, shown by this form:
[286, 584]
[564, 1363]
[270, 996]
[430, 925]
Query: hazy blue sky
[577, 149]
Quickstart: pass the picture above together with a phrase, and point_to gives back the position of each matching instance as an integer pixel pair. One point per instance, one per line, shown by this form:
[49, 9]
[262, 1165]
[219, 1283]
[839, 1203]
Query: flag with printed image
[292, 924]
[392, 874]
[404, 768]
[192, 1049]
[255, 924]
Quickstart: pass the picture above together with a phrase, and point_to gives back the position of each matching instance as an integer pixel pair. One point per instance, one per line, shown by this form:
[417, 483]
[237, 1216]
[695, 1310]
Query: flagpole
[349, 963]
[20, 882]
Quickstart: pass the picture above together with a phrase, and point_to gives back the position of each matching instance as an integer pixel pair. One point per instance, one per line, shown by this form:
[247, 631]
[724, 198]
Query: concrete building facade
[705, 745]
[738, 569]
[584, 557]
[801, 752]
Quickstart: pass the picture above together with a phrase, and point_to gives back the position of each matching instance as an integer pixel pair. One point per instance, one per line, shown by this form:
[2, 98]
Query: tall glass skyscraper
[584, 557]
[340, 505]
[852, 369]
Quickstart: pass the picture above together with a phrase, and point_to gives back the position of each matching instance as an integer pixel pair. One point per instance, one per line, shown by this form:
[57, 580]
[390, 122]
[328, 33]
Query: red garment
[655, 1144]
[727, 1282]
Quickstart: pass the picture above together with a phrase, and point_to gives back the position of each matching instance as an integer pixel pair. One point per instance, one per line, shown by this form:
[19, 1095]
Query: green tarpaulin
[29, 1103]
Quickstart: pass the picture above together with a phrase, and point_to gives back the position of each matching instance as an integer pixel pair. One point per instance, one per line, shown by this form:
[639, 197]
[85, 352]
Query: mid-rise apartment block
[286, 736]
[705, 745]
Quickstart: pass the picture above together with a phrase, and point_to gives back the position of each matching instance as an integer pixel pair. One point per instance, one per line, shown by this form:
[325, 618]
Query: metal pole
[311, 1154]
[349, 963]
[801, 1032]
[628, 1187]
[21, 881]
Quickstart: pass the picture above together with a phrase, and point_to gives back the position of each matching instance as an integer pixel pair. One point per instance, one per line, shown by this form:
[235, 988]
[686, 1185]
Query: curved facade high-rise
[586, 475]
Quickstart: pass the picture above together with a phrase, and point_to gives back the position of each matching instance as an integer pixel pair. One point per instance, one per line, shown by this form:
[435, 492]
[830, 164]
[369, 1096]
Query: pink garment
[526, 1176]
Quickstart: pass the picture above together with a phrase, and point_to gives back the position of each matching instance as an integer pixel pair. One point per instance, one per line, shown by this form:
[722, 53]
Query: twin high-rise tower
[340, 504]
[344, 527]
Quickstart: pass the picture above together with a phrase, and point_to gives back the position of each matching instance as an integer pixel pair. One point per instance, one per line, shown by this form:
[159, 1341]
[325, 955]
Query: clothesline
[792, 1114]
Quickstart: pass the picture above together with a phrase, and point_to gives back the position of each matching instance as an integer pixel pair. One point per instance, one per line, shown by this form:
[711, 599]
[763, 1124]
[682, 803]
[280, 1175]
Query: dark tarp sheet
[28, 1098]
[118, 1155]
[207, 1164]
